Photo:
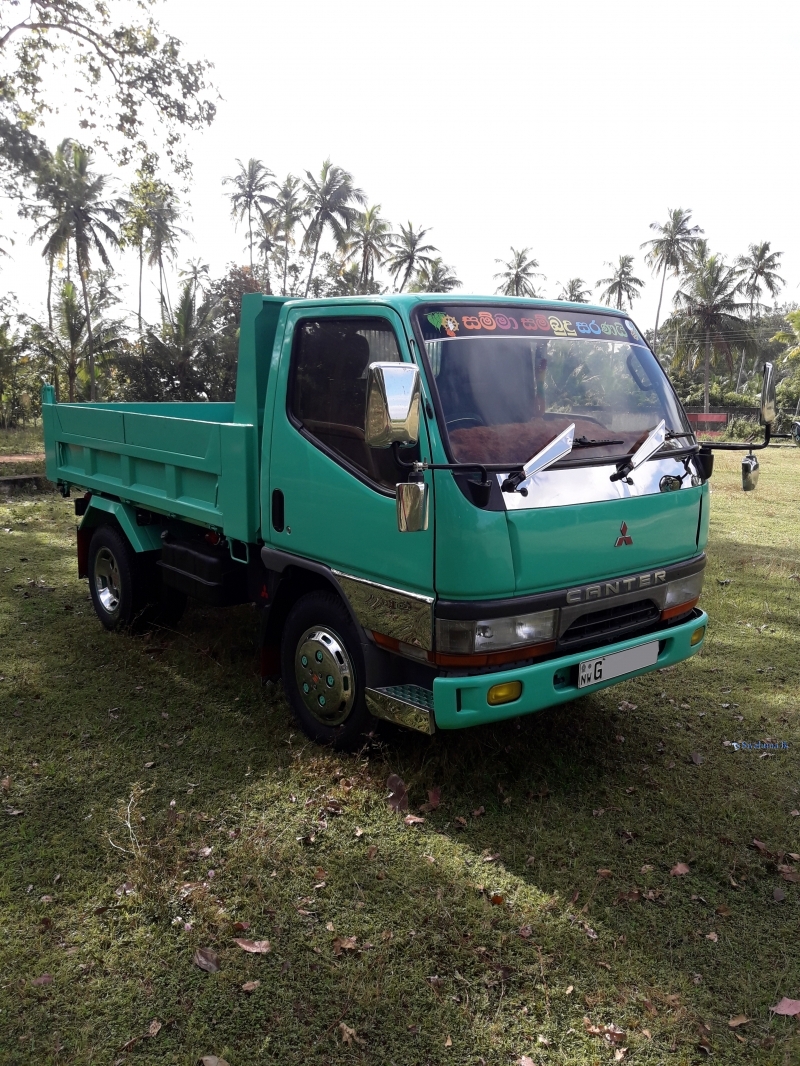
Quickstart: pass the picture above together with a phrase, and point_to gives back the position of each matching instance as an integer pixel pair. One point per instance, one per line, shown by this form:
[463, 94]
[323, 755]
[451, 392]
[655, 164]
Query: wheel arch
[296, 577]
[101, 511]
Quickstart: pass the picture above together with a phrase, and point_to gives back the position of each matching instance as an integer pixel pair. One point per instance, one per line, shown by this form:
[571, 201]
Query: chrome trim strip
[399, 711]
[592, 484]
[406, 616]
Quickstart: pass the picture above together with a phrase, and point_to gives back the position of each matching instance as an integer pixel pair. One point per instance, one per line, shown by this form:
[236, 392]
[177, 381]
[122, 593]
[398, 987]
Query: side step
[407, 705]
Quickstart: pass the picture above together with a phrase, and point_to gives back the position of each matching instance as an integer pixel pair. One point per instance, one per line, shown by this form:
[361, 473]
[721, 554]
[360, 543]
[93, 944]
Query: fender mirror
[392, 412]
[750, 472]
[412, 506]
[768, 407]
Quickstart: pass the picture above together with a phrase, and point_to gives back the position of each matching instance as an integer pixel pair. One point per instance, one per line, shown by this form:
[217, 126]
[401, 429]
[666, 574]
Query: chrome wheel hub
[325, 675]
[107, 580]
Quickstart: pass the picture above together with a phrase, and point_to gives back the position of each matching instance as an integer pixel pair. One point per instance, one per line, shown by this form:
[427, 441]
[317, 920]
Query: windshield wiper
[557, 448]
[585, 442]
[650, 446]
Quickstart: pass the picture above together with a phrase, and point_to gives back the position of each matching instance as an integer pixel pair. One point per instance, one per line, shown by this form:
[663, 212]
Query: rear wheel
[323, 671]
[114, 581]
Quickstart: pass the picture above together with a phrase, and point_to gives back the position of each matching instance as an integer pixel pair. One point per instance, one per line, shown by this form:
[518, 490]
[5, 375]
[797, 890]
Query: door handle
[277, 510]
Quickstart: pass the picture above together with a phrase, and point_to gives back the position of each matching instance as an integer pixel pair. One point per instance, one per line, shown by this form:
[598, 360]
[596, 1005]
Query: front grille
[614, 620]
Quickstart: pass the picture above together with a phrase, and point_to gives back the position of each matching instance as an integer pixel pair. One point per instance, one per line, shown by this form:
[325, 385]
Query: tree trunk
[83, 270]
[658, 311]
[313, 261]
[706, 373]
[250, 236]
[141, 268]
[49, 293]
[285, 261]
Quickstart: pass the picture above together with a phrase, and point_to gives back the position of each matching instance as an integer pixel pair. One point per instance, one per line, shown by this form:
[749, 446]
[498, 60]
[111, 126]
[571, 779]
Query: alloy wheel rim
[325, 675]
[107, 580]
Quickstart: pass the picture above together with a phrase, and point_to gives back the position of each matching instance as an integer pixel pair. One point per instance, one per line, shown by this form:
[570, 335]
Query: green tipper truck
[449, 510]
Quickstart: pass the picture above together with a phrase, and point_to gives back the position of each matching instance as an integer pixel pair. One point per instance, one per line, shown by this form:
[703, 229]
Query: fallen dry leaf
[525, 932]
[449, 1041]
[241, 927]
[359, 831]
[255, 947]
[372, 851]
[740, 1019]
[712, 936]
[149, 765]
[787, 1007]
[525, 1060]
[778, 895]
[604, 873]
[155, 1028]
[497, 898]
[398, 796]
[569, 990]
[349, 1035]
[611, 1033]
[679, 869]
[213, 1060]
[413, 819]
[205, 852]
[14, 811]
[790, 875]
[697, 758]
[625, 706]
[250, 986]
[620, 1054]
[434, 797]
[723, 910]
[345, 943]
[45, 979]
[478, 812]
[206, 959]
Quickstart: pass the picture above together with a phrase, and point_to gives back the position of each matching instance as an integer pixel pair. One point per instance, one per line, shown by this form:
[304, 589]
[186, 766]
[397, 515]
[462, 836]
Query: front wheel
[323, 671]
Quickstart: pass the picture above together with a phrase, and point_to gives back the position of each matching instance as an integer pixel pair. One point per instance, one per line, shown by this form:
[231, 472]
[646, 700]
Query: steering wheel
[474, 420]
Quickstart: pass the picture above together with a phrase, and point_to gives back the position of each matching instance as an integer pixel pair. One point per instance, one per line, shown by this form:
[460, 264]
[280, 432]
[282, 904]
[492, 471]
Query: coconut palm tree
[368, 241]
[435, 276]
[574, 291]
[269, 237]
[288, 212]
[330, 203]
[409, 253]
[622, 287]
[517, 278]
[196, 273]
[65, 347]
[80, 213]
[710, 306]
[670, 251]
[250, 194]
[163, 234]
[184, 340]
[760, 267]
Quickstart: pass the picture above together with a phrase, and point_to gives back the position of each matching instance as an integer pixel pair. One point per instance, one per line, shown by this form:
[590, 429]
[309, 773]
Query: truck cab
[449, 510]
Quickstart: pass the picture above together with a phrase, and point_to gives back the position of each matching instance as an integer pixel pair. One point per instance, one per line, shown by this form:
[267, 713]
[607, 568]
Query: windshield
[510, 379]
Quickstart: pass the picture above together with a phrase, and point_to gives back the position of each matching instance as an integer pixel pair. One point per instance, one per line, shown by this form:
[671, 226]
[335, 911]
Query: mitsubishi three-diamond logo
[623, 537]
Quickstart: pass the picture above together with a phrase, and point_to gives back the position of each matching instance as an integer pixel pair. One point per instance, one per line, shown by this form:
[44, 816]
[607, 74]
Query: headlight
[684, 589]
[495, 634]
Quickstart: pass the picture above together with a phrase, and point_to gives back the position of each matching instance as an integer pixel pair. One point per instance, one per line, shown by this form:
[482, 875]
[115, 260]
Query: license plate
[592, 671]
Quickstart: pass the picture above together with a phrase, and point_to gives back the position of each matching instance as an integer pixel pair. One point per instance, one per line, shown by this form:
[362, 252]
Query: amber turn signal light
[698, 635]
[507, 692]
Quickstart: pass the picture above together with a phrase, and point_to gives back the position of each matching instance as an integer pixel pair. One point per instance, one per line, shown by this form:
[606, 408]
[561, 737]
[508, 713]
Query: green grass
[27, 441]
[567, 792]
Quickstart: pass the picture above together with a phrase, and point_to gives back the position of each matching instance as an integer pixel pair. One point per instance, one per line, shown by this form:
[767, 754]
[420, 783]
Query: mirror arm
[418, 466]
[768, 436]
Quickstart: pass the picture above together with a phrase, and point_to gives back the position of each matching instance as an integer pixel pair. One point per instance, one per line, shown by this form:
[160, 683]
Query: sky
[565, 128]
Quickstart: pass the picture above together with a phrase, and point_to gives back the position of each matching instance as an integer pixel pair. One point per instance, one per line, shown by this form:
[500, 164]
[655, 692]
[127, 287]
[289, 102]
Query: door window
[328, 390]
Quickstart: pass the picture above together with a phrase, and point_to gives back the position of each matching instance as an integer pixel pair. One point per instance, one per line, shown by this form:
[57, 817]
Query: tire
[323, 672]
[116, 583]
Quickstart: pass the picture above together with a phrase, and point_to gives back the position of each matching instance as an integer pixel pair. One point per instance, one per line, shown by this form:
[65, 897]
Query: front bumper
[459, 702]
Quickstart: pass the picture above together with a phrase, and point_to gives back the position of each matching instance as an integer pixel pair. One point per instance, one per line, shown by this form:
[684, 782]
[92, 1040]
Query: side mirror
[768, 410]
[750, 472]
[795, 434]
[412, 506]
[392, 414]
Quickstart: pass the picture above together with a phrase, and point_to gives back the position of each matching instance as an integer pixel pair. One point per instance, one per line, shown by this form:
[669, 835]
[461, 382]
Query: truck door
[338, 495]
